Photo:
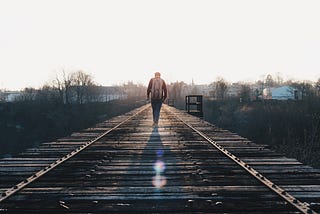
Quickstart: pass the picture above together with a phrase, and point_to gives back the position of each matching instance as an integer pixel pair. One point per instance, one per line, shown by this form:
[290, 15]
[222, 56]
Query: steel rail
[11, 191]
[302, 207]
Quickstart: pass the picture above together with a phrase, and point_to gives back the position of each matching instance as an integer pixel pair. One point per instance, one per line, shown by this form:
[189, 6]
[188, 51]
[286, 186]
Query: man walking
[158, 89]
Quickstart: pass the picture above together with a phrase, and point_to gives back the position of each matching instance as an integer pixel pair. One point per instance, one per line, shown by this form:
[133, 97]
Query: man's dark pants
[156, 106]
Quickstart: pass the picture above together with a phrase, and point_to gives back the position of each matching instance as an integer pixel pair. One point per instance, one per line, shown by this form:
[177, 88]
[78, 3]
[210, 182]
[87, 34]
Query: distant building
[10, 96]
[282, 93]
[233, 90]
[107, 93]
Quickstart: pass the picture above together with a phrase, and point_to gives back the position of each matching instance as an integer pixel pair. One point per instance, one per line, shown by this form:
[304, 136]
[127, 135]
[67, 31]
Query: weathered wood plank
[117, 173]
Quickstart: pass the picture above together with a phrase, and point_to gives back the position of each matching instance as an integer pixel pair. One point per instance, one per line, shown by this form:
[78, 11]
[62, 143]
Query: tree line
[26, 124]
[77, 88]
[70, 102]
[254, 91]
[290, 127]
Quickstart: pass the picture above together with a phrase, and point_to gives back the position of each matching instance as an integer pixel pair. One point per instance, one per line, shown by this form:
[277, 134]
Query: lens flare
[159, 153]
[159, 167]
[159, 181]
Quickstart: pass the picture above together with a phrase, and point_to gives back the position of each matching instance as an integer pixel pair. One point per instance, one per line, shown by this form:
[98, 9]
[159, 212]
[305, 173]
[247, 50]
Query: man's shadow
[154, 153]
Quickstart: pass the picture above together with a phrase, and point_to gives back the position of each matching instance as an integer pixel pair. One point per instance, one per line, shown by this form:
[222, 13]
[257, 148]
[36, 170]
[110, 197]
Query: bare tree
[269, 81]
[245, 92]
[176, 90]
[48, 93]
[305, 87]
[75, 86]
[62, 83]
[57, 84]
[220, 87]
[2, 96]
[81, 82]
[278, 79]
[317, 87]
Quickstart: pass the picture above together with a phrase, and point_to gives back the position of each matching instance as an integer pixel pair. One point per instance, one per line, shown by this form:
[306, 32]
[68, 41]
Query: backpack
[156, 90]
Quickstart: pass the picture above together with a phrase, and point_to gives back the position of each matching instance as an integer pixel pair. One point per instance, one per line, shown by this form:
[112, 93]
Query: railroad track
[185, 165]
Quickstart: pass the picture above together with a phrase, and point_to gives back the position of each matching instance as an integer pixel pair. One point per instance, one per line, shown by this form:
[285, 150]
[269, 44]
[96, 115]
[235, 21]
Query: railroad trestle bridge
[185, 165]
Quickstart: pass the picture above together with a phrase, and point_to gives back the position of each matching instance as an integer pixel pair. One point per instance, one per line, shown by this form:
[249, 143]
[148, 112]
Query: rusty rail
[302, 207]
[11, 191]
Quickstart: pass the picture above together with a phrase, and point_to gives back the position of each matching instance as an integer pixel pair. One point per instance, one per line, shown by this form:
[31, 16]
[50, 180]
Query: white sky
[121, 40]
